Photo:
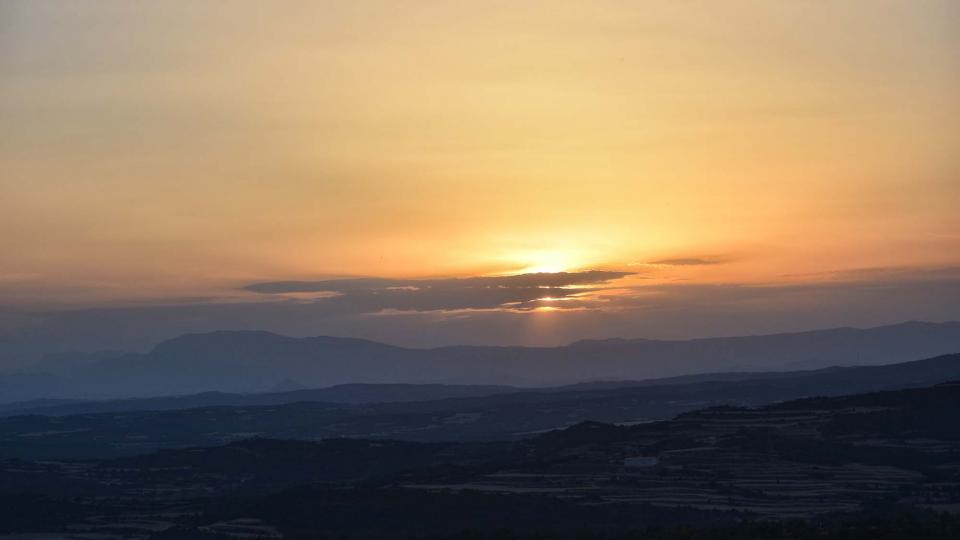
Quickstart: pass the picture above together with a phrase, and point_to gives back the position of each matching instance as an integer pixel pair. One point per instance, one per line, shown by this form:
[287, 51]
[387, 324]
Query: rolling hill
[244, 362]
[502, 416]
[819, 458]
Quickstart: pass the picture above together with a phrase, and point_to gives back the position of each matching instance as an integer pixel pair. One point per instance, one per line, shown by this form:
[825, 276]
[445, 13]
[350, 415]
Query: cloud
[521, 292]
[513, 282]
[684, 261]
[881, 274]
[888, 286]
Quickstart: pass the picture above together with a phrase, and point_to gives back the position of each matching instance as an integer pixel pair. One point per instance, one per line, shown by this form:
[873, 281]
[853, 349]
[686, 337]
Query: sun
[548, 261]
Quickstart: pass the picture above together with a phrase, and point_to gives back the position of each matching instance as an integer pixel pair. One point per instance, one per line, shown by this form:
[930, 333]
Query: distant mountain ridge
[826, 380]
[501, 416]
[256, 361]
[342, 393]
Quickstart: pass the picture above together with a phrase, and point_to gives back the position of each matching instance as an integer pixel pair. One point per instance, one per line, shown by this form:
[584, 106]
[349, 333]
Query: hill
[827, 381]
[342, 393]
[244, 362]
[810, 458]
[503, 416]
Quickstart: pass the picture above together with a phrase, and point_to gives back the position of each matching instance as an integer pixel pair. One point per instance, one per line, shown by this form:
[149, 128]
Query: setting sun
[549, 261]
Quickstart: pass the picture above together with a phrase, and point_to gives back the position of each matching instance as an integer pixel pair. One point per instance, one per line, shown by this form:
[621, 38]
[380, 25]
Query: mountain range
[131, 427]
[255, 361]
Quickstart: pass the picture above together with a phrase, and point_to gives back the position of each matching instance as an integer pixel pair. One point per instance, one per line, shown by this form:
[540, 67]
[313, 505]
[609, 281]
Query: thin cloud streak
[518, 281]
[684, 261]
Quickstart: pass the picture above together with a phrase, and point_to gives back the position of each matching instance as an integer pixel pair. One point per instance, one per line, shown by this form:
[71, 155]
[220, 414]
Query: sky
[388, 169]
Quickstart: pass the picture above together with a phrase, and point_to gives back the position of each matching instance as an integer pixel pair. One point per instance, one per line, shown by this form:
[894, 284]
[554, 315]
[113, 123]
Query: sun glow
[549, 261]
[559, 299]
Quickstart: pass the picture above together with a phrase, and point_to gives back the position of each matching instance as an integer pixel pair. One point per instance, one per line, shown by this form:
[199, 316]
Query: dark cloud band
[519, 281]
[519, 292]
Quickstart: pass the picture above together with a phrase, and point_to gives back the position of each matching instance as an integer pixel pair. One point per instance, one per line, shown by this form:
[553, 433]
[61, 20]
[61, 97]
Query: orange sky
[153, 151]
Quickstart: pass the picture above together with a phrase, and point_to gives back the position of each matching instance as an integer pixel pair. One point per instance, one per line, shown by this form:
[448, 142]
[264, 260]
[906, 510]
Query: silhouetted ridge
[463, 414]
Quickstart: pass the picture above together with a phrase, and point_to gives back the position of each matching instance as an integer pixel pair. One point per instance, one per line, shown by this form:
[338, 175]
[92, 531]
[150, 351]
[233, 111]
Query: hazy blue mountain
[248, 361]
[343, 393]
[827, 381]
[494, 417]
[18, 386]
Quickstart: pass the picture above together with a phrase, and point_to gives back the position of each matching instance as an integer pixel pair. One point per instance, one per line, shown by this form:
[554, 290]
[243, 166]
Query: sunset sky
[721, 167]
